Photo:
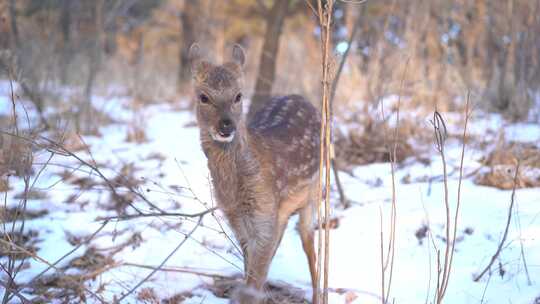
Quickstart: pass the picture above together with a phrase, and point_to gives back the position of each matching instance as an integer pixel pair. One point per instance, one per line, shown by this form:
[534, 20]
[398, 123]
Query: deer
[263, 166]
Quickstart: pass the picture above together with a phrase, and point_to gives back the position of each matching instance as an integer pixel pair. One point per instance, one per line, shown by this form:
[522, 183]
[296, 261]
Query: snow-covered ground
[170, 170]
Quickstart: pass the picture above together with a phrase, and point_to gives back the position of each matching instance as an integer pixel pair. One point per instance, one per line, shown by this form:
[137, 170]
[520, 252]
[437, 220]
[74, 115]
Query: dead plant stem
[38, 258]
[505, 234]
[162, 263]
[458, 203]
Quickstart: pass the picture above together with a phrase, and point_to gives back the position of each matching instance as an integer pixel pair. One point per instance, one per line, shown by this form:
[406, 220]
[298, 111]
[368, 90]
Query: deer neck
[230, 166]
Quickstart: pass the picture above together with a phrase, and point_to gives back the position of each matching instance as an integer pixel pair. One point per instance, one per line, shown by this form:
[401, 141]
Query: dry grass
[368, 146]
[500, 163]
[11, 214]
[15, 155]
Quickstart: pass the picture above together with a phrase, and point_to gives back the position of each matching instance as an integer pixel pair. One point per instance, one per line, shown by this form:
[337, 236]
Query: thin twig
[335, 81]
[7, 287]
[38, 258]
[325, 20]
[180, 269]
[485, 289]
[162, 263]
[392, 152]
[157, 214]
[522, 250]
[308, 2]
[15, 122]
[107, 181]
[320, 14]
[61, 150]
[393, 214]
[53, 265]
[458, 204]
[440, 132]
[505, 234]
[383, 281]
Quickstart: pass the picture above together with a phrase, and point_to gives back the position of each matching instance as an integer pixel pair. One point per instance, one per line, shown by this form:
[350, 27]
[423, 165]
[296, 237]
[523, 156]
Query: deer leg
[280, 230]
[241, 235]
[307, 235]
[260, 250]
[265, 233]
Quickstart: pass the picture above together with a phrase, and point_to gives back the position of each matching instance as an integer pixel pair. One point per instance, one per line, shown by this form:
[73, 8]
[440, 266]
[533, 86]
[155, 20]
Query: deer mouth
[222, 137]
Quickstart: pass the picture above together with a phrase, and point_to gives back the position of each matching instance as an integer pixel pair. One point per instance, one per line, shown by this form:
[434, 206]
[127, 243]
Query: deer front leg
[259, 249]
[242, 236]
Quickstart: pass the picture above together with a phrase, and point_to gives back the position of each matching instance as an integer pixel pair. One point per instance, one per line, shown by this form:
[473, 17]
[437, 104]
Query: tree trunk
[267, 62]
[94, 64]
[188, 21]
[139, 56]
[14, 29]
[65, 25]
[28, 80]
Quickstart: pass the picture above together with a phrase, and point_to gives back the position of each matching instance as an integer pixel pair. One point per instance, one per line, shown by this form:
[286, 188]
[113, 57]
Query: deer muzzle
[225, 130]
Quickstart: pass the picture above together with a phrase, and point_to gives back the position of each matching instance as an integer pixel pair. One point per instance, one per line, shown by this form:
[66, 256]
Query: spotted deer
[264, 168]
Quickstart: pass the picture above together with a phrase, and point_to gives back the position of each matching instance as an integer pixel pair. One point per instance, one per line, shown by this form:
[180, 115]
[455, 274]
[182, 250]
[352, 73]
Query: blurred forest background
[440, 48]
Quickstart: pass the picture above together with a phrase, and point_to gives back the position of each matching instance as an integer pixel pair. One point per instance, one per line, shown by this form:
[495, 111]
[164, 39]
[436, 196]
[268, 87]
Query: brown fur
[266, 172]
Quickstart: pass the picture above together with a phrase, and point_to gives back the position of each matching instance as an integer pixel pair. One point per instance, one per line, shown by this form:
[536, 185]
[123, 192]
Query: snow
[180, 183]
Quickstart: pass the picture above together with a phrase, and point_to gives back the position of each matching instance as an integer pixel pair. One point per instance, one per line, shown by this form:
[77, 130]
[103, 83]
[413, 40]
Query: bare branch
[308, 2]
[40, 259]
[163, 262]
[456, 217]
[262, 7]
[55, 147]
[505, 234]
[335, 81]
[7, 286]
[175, 214]
[325, 21]
[53, 265]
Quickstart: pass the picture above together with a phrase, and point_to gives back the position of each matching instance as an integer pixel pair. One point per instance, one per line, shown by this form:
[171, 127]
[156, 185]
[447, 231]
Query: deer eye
[203, 98]
[238, 98]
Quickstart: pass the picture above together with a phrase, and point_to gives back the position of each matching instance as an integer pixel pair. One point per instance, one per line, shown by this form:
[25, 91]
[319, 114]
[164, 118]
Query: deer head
[218, 93]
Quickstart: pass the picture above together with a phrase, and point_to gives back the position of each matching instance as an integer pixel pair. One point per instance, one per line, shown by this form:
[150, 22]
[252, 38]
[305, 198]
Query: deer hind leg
[307, 235]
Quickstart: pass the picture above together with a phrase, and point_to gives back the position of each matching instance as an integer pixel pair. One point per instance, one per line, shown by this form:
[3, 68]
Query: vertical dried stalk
[440, 136]
[456, 217]
[439, 127]
[388, 263]
[12, 267]
[324, 12]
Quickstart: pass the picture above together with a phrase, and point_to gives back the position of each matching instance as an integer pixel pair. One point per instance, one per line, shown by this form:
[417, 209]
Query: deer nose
[226, 126]
[225, 123]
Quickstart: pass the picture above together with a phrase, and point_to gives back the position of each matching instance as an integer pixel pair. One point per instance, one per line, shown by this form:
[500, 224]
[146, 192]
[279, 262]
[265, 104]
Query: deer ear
[198, 66]
[238, 55]
[194, 56]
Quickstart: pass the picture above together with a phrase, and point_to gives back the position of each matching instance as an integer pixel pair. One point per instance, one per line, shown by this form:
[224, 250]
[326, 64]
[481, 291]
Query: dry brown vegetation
[140, 49]
[501, 162]
[488, 47]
